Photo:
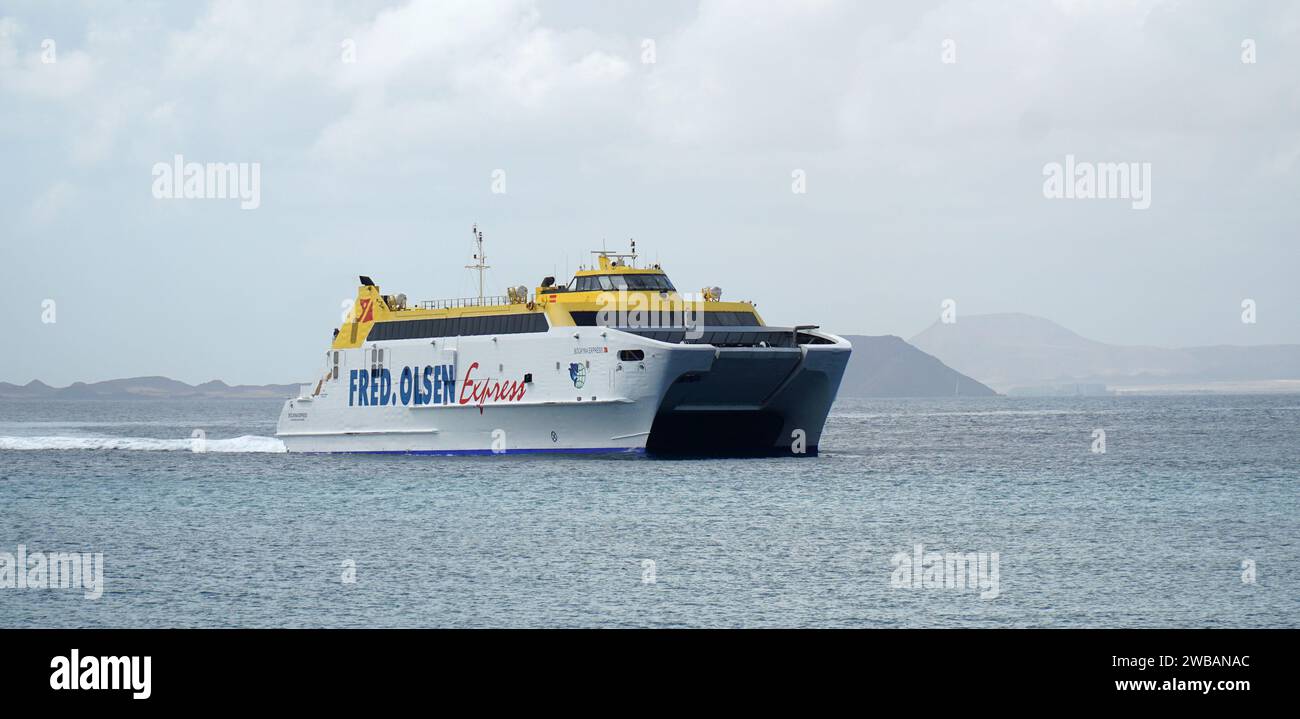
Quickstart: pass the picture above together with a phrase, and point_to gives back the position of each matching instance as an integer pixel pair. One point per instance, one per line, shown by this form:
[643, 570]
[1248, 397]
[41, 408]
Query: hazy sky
[922, 130]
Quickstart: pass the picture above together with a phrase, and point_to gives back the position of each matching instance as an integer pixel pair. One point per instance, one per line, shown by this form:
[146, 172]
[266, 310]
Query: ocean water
[1155, 531]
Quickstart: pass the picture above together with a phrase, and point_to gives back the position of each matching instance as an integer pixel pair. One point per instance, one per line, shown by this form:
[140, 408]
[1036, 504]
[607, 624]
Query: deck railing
[464, 302]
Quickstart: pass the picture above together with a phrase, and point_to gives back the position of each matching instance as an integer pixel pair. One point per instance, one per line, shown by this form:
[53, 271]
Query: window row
[459, 326]
[723, 339]
[666, 318]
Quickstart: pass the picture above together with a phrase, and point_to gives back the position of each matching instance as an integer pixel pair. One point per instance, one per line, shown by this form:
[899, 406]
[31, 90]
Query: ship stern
[753, 401]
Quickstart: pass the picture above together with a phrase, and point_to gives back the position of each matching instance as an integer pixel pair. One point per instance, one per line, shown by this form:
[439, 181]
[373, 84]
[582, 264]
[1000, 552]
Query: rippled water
[1151, 533]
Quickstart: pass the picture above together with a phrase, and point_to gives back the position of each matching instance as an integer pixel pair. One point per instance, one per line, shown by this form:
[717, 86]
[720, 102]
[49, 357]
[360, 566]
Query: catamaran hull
[752, 401]
[569, 390]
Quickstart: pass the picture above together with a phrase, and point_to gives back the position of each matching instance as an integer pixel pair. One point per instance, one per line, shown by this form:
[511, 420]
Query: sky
[847, 164]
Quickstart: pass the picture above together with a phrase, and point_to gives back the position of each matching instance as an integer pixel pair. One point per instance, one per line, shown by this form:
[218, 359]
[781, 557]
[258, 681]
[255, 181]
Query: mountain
[886, 366]
[145, 388]
[1016, 351]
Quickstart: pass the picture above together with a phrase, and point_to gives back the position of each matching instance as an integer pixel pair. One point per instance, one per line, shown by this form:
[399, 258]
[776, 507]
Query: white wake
[247, 443]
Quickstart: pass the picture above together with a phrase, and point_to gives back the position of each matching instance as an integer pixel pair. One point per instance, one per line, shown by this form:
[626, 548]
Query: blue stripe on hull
[483, 452]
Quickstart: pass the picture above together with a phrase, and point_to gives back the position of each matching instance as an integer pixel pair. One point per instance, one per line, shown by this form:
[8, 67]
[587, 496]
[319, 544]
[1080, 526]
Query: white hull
[581, 398]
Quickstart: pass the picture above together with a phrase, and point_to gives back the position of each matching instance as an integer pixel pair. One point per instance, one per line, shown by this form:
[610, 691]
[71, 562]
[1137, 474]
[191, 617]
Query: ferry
[616, 360]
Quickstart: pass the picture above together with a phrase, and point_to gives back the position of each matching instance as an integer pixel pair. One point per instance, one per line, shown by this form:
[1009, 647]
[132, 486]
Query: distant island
[887, 366]
[1026, 355]
[146, 388]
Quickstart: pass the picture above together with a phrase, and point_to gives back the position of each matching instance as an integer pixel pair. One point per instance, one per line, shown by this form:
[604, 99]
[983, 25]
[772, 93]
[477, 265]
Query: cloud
[829, 77]
[440, 73]
[52, 203]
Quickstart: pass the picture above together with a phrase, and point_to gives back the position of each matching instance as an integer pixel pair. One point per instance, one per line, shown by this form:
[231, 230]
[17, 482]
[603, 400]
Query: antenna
[607, 254]
[480, 259]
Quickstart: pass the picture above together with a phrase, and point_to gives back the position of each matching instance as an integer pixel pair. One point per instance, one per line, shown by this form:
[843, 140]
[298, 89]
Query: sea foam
[247, 443]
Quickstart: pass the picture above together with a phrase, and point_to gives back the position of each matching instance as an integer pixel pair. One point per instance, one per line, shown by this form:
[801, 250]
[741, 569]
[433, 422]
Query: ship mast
[604, 256]
[480, 260]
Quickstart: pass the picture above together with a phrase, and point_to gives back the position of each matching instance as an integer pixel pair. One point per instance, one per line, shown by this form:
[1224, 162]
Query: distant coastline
[1016, 355]
[1025, 355]
[879, 367]
[145, 388]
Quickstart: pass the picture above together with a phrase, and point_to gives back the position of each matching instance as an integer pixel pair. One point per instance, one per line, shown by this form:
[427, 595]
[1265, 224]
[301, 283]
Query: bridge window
[649, 282]
[609, 283]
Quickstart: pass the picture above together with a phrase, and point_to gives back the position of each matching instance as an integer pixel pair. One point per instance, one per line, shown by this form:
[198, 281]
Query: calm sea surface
[1153, 532]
